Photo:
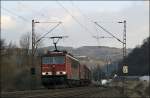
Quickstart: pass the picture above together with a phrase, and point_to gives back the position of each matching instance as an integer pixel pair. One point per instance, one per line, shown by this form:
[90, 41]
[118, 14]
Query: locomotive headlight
[63, 72]
[43, 73]
[60, 73]
[46, 73]
[57, 73]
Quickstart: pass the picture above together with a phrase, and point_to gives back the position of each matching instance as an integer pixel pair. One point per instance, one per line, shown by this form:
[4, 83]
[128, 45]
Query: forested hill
[138, 60]
[93, 52]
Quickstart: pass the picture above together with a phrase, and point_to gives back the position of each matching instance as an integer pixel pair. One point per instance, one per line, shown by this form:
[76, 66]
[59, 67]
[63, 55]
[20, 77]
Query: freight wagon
[60, 67]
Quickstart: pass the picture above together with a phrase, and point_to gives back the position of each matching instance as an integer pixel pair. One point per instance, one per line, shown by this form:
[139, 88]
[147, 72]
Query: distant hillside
[93, 52]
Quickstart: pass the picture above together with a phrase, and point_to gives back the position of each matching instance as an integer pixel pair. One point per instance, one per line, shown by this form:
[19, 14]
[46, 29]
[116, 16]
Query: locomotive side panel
[68, 67]
[88, 74]
[82, 72]
[84, 75]
[72, 66]
[75, 69]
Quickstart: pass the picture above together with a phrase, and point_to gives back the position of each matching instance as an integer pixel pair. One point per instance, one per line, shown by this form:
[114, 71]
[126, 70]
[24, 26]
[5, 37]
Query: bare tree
[25, 42]
[2, 44]
[2, 47]
[10, 50]
[38, 43]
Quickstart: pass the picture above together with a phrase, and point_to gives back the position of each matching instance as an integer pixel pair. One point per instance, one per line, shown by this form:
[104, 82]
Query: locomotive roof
[63, 53]
[60, 53]
[57, 53]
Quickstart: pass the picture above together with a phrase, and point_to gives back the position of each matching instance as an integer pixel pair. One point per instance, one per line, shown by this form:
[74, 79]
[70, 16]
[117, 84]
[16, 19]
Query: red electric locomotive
[60, 67]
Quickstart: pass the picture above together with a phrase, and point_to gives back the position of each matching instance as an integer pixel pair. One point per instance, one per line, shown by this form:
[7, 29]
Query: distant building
[83, 58]
[110, 69]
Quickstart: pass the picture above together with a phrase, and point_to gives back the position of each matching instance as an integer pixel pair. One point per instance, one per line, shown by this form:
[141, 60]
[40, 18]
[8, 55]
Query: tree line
[138, 60]
[15, 63]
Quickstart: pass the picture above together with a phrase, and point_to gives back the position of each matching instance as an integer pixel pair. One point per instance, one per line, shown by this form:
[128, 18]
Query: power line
[84, 16]
[48, 32]
[98, 37]
[63, 27]
[74, 18]
[26, 20]
[21, 17]
[80, 10]
[37, 12]
[108, 32]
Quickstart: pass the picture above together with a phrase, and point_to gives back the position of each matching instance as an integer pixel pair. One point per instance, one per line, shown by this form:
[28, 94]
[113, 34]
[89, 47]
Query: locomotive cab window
[53, 60]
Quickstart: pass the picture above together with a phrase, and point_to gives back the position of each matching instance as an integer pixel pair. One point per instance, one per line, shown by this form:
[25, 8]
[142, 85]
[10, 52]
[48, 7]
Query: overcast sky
[77, 19]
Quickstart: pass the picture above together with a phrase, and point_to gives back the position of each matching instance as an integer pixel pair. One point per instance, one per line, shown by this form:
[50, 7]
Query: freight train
[60, 67]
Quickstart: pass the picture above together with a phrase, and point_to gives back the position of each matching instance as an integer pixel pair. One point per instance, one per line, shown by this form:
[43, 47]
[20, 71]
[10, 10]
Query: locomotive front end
[53, 69]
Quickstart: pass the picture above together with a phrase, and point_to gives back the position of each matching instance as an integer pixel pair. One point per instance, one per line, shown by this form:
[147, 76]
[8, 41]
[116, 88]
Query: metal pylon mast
[124, 40]
[124, 67]
[124, 36]
[34, 42]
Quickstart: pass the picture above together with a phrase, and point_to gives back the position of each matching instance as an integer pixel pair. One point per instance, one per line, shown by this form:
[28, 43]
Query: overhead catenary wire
[48, 32]
[37, 12]
[80, 11]
[20, 17]
[84, 15]
[97, 36]
[75, 19]
[67, 32]
[28, 21]
[108, 32]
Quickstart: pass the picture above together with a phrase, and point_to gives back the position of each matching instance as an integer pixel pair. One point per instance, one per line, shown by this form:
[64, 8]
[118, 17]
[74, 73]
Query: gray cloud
[137, 16]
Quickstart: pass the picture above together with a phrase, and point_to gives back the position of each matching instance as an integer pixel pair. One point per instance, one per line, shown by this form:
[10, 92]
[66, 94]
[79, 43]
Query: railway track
[43, 92]
[114, 91]
[55, 93]
[69, 93]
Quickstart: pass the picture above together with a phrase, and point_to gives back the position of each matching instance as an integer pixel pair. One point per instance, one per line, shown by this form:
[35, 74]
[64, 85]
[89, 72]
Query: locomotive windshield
[53, 60]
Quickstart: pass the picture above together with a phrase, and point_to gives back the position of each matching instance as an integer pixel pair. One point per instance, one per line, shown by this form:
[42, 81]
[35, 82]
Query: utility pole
[33, 45]
[124, 39]
[34, 42]
[32, 57]
[125, 67]
[33, 71]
